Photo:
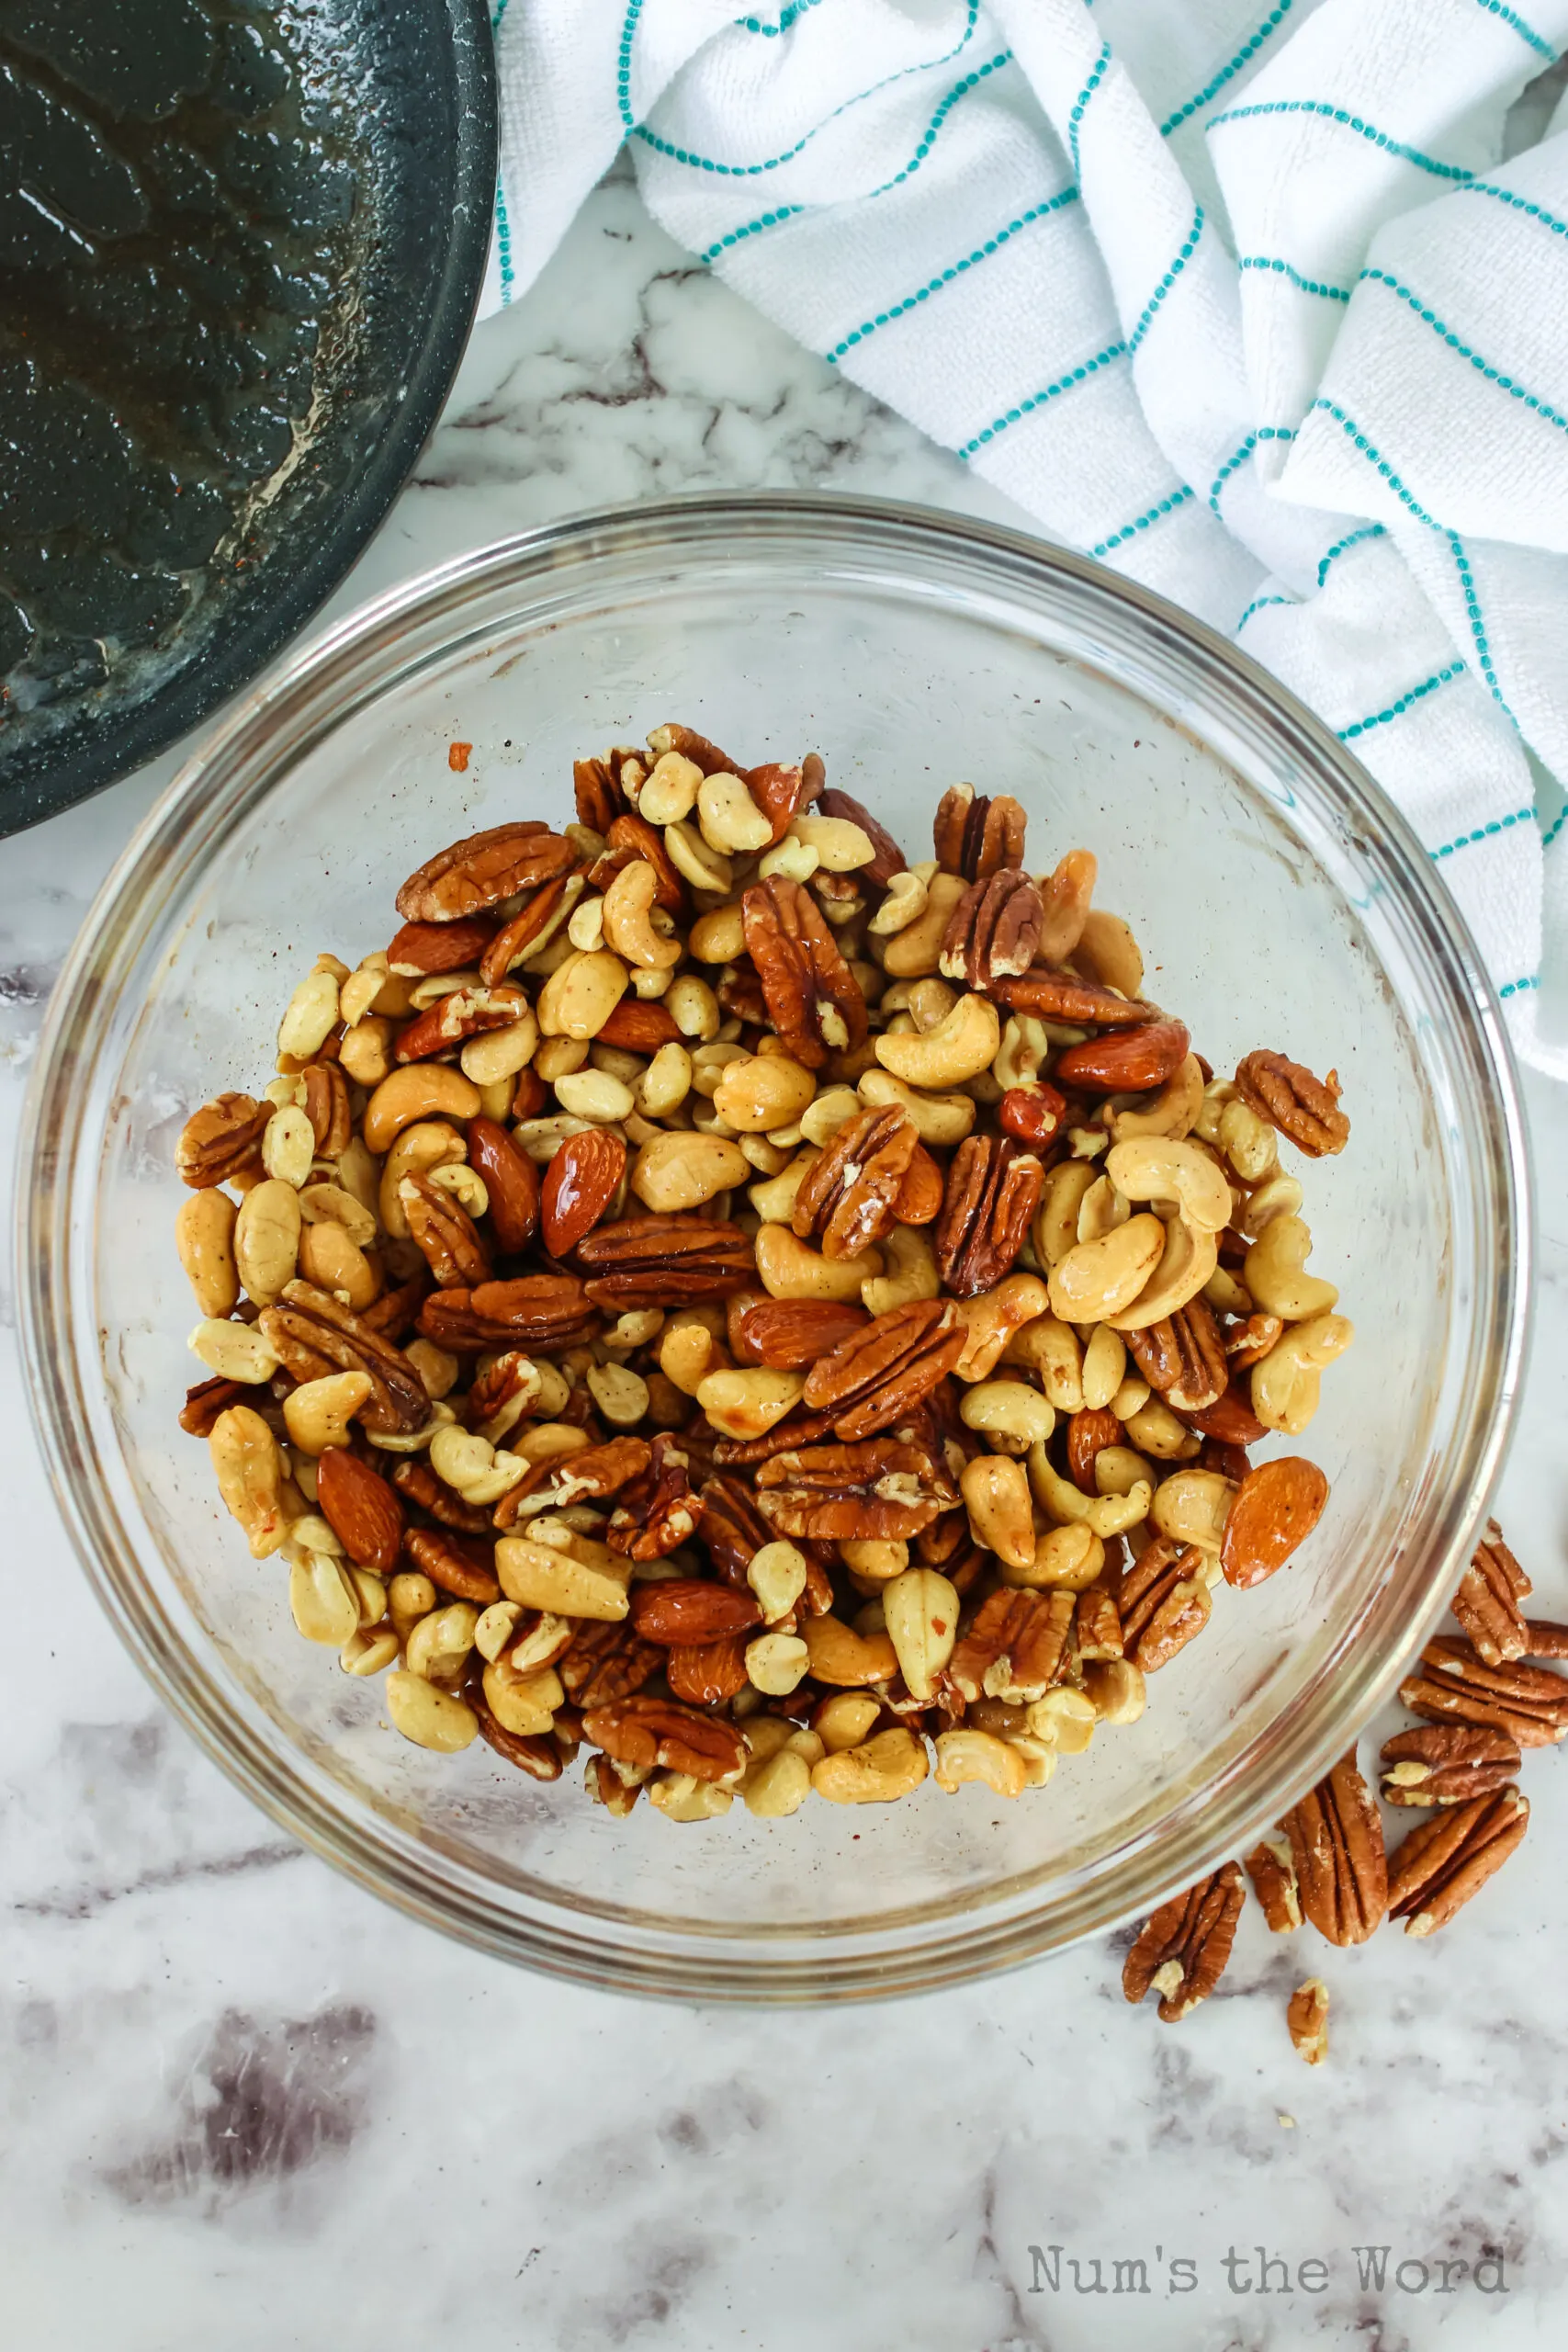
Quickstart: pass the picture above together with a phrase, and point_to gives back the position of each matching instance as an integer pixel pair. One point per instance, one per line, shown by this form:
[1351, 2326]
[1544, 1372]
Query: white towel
[1237, 295]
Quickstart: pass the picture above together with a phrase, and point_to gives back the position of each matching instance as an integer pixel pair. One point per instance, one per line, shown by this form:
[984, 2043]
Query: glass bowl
[1281, 901]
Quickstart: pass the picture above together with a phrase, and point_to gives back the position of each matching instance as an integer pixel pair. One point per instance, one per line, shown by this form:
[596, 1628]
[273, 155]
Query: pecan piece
[849, 1196]
[394, 1313]
[797, 1429]
[615, 1786]
[1164, 1600]
[585, 1477]
[1487, 1602]
[1130, 1062]
[361, 1510]
[1181, 1952]
[423, 948]
[664, 1262]
[1062, 996]
[1016, 1648]
[731, 1527]
[438, 1033]
[480, 871]
[418, 1483]
[1303, 1108]
[541, 914]
[880, 1372]
[705, 1673]
[207, 1401]
[1448, 1764]
[788, 1334]
[534, 1753]
[597, 790]
[1033, 1115]
[444, 1233]
[1271, 1868]
[546, 1313]
[1545, 1639]
[1336, 1834]
[1449, 1858]
[672, 737]
[327, 1108]
[813, 998]
[460, 1565]
[975, 836]
[220, 1141]
[1183, 1356]
[511, 1180]
[606, 1662]
[657, 1512]
[1454, 1683]
[1307, 2019]
[647, 1731]
[580, 1181]
[1274, 1510]
[888, 859]
[1090, 1431]
[313, 1333]
[993, 931]
[1097, 1624]
[782, 790]
[833, 1492]
[993, 1190]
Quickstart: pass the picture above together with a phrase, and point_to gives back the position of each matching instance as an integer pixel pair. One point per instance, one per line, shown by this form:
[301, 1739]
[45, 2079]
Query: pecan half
[511, 1180]
[1454, 1683]
[833, 1492]
[1130, 1062]
[632, 837]
[1096, 1625]
[705, 1673]
[392, 1314]
[731, 1527]
[672, 737]
[993, 1190]
[887, 859]
[849, 1196]
[880, 1372]
[1448, 1764]
[664, 1261]
[615, 1786]
[580, 1181]
[546, 1313]
[690, 1610]
[1090, 1431]
[596, 787]
[993, 931]
[1545, 1639]
[361, 1510]
[782, 788]
[814, 1000]
[542, 912]
[418, 1483]
[787, 1334]
[1181, 1952]
[647, 1731]
[327, 1108]
[1449, 1858]
[1271, 1868]
[480, 871]
[606, 1662]
[444, 1233]
[451, 1020]
[423, 948]
[220, 1141]
[1487, 1602]
[1183, 1356]
[534, 1753]
[1336, 1834]
[1062, 996]
[1306, 2020]
[588, 1475]
[1303, 1108]
[1164, 1600]
[975, 836]
[207, 1401]
[658, 1511]
[1017, 1647]
[795, 1430]
[312, 1334]
[462, 1564]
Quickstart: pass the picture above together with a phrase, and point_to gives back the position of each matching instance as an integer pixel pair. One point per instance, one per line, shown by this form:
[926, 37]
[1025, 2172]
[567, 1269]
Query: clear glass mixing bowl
[1281, 900]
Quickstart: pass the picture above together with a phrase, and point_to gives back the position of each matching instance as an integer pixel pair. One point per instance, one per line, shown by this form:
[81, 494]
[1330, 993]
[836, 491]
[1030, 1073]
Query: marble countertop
[244, 2103]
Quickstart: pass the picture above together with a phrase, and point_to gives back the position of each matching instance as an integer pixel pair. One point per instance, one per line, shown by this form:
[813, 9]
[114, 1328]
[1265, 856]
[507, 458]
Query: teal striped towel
[1239, 297]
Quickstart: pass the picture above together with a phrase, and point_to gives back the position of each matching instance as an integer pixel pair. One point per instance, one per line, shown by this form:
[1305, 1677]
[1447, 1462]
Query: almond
[509, 1178]
[361, 1510]
[687, 1611]
[1230, 1419]
[579, 1183]
[1276, 1507]
[920, 1194]
[703, 1673]
[1129, 1063]
[638, 1028]
[1089, 1432]
[788, 1334]
[422, 948]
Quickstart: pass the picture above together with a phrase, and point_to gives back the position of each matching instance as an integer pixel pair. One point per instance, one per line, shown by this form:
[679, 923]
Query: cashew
[1101, 1210]
[1275, 1276]
[1154, 1428]
[428, 1715]
[249, 1469]
[840, 845]
[1001, 1517]
[1056, 1219]
[904, 905]
[670, 789]
[872, 1560]
[1278, 1195]
[1050, 1348]
[696, 860]
[1103, 1514]
[963, 1044]
[841, 1657]
[730, 820]
[844, 1720]
[520, 1703]
[1285, 1384]
[914, 949]
[746, 1404]
[1115, 1687]
[203, 1236]
[417, 1150]
[920, 1610]
[440, 1645]
[1023, 1047]
[330, 1260]
[780, 1785]
[911, 1272]
[317, 1413]
[1249, 1142]
[1065, 1719]
[419, 1090]
[1188, 1260]
[761, 1092]
[1097, 1278]
[541, 1576]
[1190, 1507]
[1107, 946]
[334, 1205]
[941, 1119]
[627, 921]
[789, 1268]
[877, 1772]
[683, 1171]
[1159, 1169]
[991, 1320]
[1104, 1366]
[1009, 1414]
[1066, 1559]
[581, 994]
[500, 1054]
[233, 1351]
[1174, 1110]
[966, 1755]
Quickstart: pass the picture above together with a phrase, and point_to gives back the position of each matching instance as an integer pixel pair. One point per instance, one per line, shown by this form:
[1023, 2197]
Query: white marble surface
[244, 2104]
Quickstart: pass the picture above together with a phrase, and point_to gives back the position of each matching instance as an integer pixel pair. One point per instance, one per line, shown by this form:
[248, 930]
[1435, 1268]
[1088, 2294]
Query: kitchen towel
[1242, 298]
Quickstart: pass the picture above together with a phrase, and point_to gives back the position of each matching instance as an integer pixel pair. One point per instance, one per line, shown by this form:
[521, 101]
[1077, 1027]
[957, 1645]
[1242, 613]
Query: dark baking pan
[240, 243]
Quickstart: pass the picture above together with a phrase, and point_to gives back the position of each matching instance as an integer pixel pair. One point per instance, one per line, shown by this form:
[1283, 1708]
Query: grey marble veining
[245, 2104]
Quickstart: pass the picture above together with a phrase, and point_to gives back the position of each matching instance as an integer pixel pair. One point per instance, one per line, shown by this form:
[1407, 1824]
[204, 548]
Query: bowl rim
[368, 1848]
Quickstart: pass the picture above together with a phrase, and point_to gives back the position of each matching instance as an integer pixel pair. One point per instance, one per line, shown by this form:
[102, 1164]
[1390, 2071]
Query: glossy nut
[428, 1715]
[965, 1755]
[665, 1083]
[1001, 1514]
[288, 1145]
[1162, 1169]
[1052, 1348]
[249, 1470]
[1187, 1263]
[440, 1645]
[844, 1720]
[233, 1351]
[326, 1204]
[920, 1611]
[522, 1702]
[777, 1576]
[789, 1268]
[1066, 1559]
[730, 820]
[1190, 1507]
[847, 1659]
[1171, 1113]
[1096, 1280]
[841, 846]
[670, 789]
[991, 1322]
[1010, 1414]
[911, 1272]
[311, 1016]
[877, 1772]
[1103, 1514]
[203, 1236]
[418, 1090]
[1055, 1231]
[939, 1119]
[318, 1413]
[780, 1785]
[323, 1600]
[776, 1663]
[746, 1404]
[499, 1054]
[682, 1170]
[581, 994]
[1065, 1719]
[629, 928]
[1104, 1367]
[917, 946]
[1114, 1686]
[962, 1044]
[1276, 1276]
[1284, 1385]
[762, 1091]
[540, 1576]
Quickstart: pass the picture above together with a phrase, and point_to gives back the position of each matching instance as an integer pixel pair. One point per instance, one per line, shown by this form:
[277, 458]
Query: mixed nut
[1328, 1864]
[781, 1319]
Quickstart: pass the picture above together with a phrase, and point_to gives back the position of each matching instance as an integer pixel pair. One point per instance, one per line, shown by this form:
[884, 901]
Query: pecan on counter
[1182, 1951]
[1448, 1764]
[1487, 1602]
[1336, 1844]
[1454, 1683]
[1447, 1859]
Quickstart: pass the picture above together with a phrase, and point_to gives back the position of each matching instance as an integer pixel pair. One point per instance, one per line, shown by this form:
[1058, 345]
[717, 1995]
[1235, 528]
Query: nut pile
[1482, 1702]
[783, 1319]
